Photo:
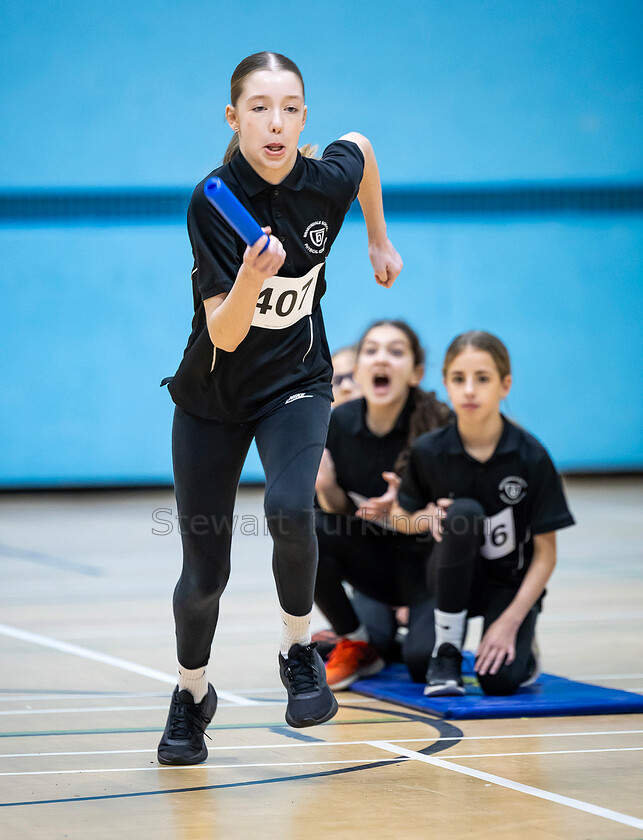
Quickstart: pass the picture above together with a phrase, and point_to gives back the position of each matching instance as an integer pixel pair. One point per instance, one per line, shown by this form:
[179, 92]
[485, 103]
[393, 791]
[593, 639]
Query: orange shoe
[351, 660]
[326, 641]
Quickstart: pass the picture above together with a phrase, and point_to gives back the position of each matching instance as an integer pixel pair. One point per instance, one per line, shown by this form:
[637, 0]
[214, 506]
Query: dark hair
[250, 64]
[427, 411]
[479, 340]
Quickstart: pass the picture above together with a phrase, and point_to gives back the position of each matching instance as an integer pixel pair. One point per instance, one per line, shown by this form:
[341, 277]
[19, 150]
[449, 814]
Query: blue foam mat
[548, 696]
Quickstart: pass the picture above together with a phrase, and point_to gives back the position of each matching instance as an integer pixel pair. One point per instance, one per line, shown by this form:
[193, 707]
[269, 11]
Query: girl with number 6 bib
[257, 365]
[490, 495]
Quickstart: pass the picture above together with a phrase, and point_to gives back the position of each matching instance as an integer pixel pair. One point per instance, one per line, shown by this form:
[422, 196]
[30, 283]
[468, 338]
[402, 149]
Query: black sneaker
[310, 700]
[183, 741]
[444, 674]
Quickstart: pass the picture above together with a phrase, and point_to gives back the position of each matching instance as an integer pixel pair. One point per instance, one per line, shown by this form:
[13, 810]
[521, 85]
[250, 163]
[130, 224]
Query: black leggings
[461, 583]
[387, 568]
[208, 456]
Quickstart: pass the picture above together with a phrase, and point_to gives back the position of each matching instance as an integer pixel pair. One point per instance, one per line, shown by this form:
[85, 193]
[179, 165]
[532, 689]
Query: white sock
[359, 635]
[295, 631]
[196, 682]
[449, 627]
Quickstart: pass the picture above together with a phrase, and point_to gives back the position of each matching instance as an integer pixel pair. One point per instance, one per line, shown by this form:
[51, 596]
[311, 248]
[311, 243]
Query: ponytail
[308, 150]
[233, 148]
[427, 413]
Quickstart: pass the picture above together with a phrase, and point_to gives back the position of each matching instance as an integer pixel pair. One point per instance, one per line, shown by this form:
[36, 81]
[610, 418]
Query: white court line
[115, 661]
[312, 744]
[303, 745]
[160, 768]
[86, 695]
[87, 709]
[577, 804]
[548, 752]
[72, 710]
[407, 754]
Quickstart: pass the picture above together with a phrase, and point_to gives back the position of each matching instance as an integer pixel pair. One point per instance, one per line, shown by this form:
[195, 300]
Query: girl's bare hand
[386, 262]
[263, 264]
[393, 480]
[378, 508]
[498, 646]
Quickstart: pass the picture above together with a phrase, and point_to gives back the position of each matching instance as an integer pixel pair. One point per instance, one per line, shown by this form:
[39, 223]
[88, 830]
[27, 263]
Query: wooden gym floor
[87, 651]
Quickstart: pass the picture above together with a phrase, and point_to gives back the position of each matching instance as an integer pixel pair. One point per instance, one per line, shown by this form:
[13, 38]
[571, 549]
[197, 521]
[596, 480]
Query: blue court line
[393, 718]
[204, 787]
[49, 560]
[444, 729]
[295, 735]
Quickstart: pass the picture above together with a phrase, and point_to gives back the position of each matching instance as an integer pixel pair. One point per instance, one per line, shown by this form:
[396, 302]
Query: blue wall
[133, 93]
[114, 95]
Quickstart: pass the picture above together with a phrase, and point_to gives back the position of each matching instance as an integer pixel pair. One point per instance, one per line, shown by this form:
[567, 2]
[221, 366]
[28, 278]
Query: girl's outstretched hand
[498, 645]
[386, 262]
[378, 508]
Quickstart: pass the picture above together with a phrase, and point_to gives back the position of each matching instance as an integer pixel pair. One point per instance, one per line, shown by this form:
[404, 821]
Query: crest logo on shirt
[315, 237]
[513, 489]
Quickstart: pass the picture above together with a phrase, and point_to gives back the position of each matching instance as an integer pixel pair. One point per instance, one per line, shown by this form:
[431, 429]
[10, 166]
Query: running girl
[496, 546]
[257, 365]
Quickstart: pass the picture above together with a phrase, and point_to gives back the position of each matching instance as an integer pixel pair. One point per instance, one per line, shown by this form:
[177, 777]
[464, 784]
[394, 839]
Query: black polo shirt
[360, 457]
[518, 488]
[285, 350]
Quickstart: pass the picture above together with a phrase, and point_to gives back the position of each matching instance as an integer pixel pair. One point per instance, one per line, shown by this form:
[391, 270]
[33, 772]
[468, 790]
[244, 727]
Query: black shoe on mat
[444, 674]
[310, 700]
[183, 740]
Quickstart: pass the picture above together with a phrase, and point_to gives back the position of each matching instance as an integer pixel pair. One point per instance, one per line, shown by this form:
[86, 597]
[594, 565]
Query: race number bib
[499, 535]
[284, 300]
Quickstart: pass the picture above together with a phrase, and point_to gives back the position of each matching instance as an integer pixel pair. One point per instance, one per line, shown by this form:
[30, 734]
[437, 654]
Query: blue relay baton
[233, 211]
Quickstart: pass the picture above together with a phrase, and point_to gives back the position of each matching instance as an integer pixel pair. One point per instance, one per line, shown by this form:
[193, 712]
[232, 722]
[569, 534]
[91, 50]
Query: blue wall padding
[93, 318]
[95, 293]
[122, 93]
[549, 696]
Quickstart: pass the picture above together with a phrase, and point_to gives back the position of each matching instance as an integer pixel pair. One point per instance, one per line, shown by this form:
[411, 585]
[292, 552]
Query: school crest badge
[513, 489]
[315, 237]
